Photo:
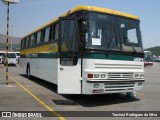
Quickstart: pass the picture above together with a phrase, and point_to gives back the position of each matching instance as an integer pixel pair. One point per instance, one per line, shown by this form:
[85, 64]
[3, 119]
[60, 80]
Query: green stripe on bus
[48, 55]
[109, 57]
[88, 56]
[40, 55]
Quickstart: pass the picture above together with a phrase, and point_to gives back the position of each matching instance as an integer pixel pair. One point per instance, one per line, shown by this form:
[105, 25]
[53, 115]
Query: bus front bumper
[106, 87]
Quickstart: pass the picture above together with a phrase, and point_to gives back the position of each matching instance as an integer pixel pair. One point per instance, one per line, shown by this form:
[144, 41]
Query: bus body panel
[44, 68]
[69, 79]
[119, 76]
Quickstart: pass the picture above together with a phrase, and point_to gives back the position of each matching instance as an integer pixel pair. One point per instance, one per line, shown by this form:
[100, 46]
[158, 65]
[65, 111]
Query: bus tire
[131, 94]
[28, 72]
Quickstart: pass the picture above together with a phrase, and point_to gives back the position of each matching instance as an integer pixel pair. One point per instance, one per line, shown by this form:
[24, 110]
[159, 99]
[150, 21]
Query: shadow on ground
[87, 100]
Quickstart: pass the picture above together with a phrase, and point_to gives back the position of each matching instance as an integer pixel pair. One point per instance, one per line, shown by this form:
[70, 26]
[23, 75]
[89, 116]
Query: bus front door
[69, 68]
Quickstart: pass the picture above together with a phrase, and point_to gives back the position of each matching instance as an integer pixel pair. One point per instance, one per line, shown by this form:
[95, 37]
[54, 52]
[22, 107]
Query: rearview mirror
[84, 26]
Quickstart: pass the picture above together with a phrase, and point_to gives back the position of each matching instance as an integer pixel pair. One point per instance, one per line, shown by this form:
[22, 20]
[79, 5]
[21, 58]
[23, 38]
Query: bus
[17, 56]
[156, 58]
[148, 58]
[87, 50]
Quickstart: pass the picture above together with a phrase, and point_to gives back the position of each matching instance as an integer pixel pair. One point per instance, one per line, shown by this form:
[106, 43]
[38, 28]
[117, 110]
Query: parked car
[12, 59]
[1, 56]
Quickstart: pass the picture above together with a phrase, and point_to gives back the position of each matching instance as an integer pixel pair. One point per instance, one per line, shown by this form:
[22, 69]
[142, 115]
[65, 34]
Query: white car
[12, 58]
[1, 56]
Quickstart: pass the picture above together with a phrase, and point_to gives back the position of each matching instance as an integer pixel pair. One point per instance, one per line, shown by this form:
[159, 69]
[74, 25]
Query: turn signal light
[90, 75]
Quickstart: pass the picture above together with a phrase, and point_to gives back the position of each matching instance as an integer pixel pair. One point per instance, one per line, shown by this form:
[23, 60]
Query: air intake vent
[116, 66]
[120, 75]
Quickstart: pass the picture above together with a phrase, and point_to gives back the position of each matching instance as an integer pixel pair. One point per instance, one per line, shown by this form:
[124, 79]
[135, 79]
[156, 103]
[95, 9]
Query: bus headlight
[136, 75]
[139, 75]
[96, 75]
[103, 75]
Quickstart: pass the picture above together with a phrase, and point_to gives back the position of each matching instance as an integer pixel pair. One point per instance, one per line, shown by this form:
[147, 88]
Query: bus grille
[119, 86]
[120, 75]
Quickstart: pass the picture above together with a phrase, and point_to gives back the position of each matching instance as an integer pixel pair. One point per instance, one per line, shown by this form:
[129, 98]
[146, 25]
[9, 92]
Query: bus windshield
[112, 33]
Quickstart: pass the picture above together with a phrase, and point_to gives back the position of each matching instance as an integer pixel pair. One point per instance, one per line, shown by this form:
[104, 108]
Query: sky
[28, 15]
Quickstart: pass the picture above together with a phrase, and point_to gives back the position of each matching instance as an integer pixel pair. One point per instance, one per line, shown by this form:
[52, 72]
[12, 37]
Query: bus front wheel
[131, 94]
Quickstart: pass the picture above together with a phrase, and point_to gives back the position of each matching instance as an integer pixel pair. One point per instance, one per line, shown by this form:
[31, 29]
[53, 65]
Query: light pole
[11, 36]
[8, 2]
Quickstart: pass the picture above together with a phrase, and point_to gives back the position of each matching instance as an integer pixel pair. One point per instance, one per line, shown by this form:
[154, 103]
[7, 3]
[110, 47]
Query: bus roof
[103, 10]
[88, 8]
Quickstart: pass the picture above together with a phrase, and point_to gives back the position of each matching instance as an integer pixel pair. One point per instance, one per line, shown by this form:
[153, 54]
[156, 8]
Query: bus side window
[38, 37]
[35, 39]
[29, 41]
[47, 34]
[32, 39]
[22, 43]
[51, 36]
[56, 32]
[42, 36]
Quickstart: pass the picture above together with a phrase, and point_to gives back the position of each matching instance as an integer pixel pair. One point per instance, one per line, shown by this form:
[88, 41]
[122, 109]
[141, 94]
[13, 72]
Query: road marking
[140, 93]
[37, 99]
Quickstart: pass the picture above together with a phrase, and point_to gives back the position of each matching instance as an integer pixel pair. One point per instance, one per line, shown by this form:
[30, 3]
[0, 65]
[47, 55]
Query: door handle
[61, 69]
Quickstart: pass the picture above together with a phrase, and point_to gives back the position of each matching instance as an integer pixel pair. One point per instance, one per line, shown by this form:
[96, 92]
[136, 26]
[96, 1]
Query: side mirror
[84, 26]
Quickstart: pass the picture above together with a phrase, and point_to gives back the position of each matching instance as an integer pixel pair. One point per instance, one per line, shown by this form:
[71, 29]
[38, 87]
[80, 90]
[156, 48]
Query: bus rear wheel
[28, 72]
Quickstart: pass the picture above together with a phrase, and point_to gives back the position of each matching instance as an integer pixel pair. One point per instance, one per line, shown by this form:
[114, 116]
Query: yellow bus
[87, 50]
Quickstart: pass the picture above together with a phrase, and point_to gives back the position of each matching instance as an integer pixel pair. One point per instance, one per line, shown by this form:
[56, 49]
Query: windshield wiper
[110, 42]
[130, 43]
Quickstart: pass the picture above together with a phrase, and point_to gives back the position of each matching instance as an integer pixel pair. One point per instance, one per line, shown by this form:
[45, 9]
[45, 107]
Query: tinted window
[11, 55]
[56, 32]
[52, 32]
[69, 43]
[33, 40]
[18, 54]
[22, 43]
[112, 33]
[103, 32]
[42, 36]
[130, 35]
[38, 37]
[1, 54]
[47, 34]
[28, 41]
